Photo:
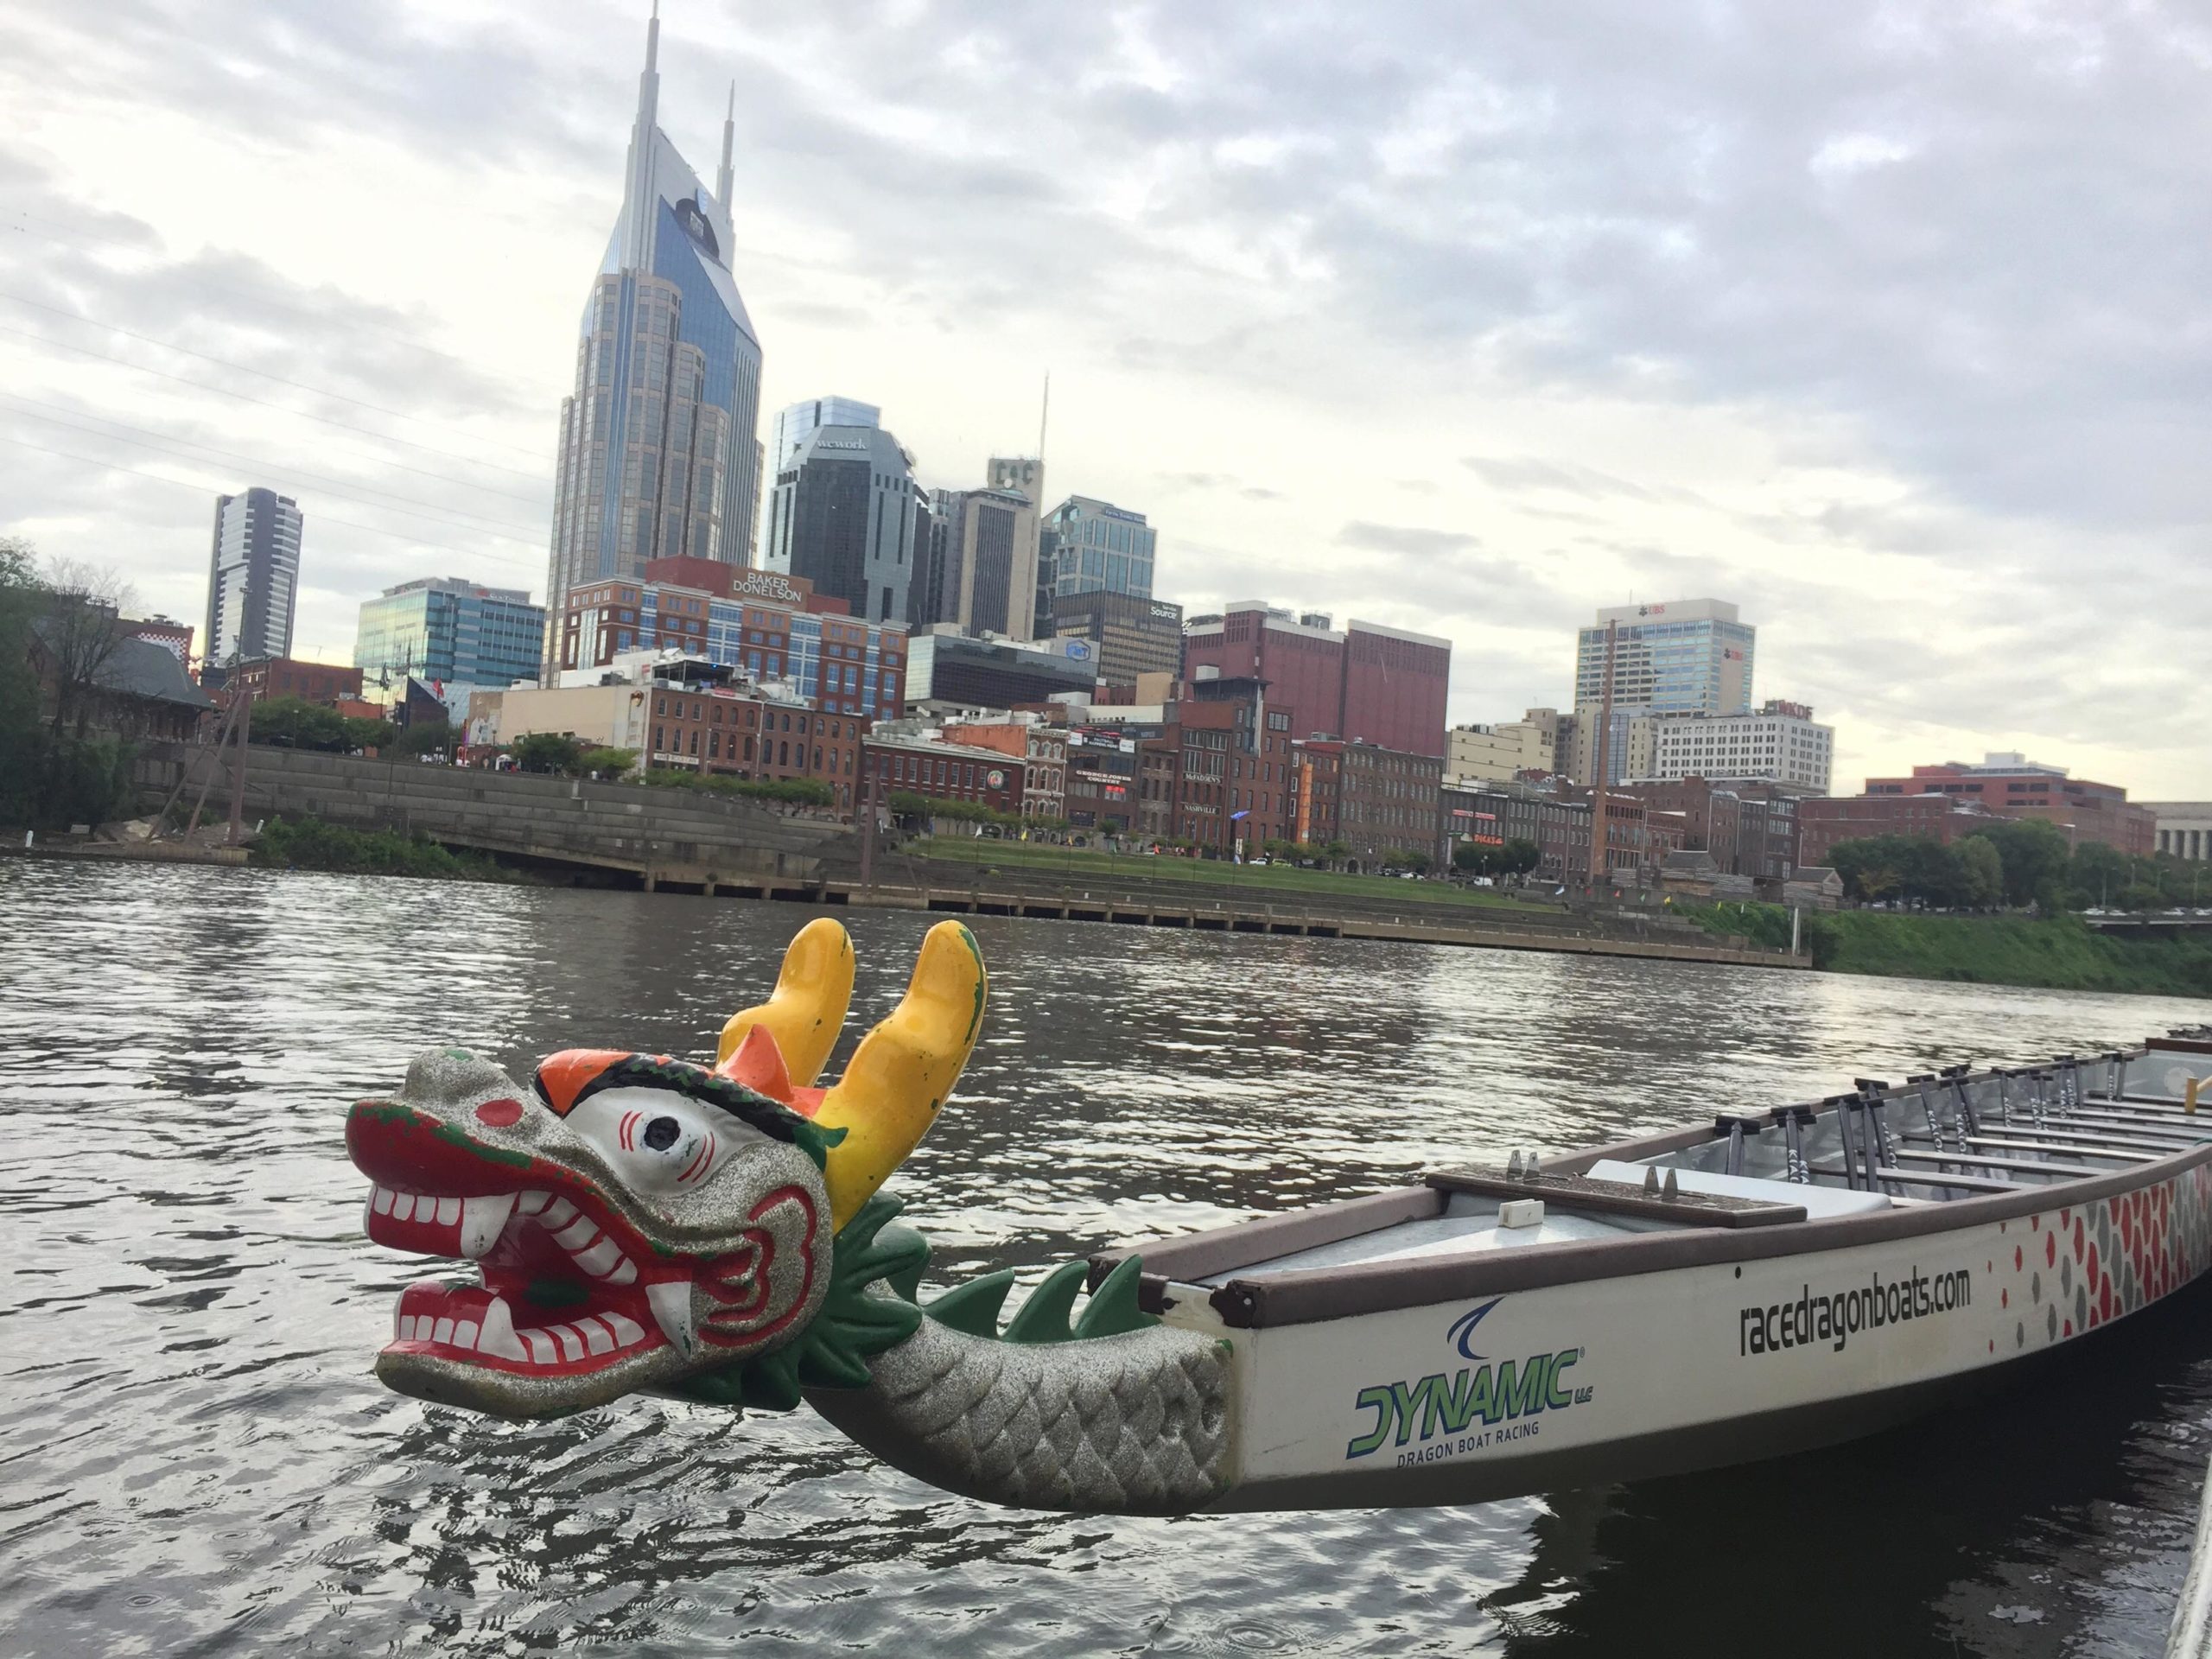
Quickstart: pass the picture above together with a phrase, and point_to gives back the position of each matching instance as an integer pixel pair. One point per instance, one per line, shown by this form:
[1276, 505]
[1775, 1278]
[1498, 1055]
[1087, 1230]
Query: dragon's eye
[661, 1133]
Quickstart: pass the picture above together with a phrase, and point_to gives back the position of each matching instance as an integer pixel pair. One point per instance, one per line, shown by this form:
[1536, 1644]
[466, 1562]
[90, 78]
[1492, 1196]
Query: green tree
[2036, 860]
[1519, 856]
[548, 752]
[425, 737]
[608, 762]
[1980, 874]
[2099, 872]
[1473, 858]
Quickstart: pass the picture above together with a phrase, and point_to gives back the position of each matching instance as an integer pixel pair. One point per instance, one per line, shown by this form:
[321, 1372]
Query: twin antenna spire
[641, 142]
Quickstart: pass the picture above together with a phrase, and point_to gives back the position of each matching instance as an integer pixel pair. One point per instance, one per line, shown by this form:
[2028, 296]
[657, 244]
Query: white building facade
[1780, 743]
[2184, 828]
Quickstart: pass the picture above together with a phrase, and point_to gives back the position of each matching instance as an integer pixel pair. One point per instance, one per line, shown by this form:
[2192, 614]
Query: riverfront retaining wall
[681, 835]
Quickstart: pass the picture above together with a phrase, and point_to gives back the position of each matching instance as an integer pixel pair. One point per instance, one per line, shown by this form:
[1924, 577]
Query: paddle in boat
[1757, 1283]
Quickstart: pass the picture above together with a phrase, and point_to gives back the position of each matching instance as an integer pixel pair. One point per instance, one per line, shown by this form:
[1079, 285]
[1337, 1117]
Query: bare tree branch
[80, 630]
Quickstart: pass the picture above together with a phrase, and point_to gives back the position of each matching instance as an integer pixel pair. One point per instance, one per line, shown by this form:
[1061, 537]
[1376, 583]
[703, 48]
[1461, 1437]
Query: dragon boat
[1757, 1282]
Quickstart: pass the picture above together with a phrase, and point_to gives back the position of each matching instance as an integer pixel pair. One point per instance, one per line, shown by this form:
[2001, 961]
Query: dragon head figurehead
[639, 1221]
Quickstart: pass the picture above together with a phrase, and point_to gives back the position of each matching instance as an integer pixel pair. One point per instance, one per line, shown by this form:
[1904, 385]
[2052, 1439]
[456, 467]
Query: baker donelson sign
[767, 584]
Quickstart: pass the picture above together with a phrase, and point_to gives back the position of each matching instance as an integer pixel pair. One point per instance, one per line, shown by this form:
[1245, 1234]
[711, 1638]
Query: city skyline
[1400, 427]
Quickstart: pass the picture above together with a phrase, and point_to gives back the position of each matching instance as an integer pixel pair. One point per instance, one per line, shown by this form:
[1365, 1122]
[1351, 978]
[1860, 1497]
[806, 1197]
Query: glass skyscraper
[1683, 657]
[1100, 547]
[795, 423]
[445, 632]
[660, 454]
[253, 578]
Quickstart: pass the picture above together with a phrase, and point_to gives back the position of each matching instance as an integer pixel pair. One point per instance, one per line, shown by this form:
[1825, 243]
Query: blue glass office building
[660, 454]
[445, 632]
[1099, 548]
[1679, 656]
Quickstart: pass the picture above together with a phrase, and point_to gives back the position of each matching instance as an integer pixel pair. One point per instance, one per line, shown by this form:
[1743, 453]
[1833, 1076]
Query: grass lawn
[1285, 879]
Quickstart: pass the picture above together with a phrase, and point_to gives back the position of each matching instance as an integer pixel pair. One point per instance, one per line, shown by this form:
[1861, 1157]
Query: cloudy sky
[1892, 323]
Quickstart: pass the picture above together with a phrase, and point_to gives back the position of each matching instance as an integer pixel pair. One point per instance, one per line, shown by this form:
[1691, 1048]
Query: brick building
[904, 759]
[765, 624]
[1751, 829]
[265, 678]
[1042, 750]
[1822, 823]
[1386, 799]
[2014, 786]
[1102, 780]
[1365, 684]
[729, 732]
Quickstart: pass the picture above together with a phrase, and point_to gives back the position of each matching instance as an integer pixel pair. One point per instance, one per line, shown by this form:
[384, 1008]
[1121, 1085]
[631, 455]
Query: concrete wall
[673, 835]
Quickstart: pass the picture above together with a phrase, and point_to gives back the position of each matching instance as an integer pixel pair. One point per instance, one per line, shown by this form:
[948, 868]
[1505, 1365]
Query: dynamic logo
[1463, 1329]
[1481, 1405]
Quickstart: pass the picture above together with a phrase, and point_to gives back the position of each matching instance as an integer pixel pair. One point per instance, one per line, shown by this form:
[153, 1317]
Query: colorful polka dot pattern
[2068, 1271]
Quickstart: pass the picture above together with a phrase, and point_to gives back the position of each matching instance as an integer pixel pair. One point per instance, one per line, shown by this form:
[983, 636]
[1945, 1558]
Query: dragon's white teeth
[600, 1260]
[464, 1334]
[541, 1352]
[482, 1221]
[557, 1214]
[403, 1206]
[380, 1200]
[598, 1338]
[626, 1331]
[498, 1336]
[625, 1272]
[572, 1345]
[448, 1211]
[442, 1330]
[534, 1200]
[672, 1305]
[576, 1235]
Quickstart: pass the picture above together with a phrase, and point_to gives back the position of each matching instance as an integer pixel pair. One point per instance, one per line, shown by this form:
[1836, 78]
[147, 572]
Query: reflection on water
[198, 1459]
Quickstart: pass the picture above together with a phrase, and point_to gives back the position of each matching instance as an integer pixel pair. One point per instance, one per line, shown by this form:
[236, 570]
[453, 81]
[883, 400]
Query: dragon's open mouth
[564, 1292]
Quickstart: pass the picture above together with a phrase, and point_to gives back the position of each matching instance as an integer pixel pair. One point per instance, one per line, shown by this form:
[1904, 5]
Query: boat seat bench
[1986, 1161]
[1914, 1177]
[2072, 1149]
[1963, 1182]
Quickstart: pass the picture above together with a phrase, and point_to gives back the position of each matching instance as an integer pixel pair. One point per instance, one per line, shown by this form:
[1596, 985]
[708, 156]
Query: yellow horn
[904, 1069]
[807, 1009]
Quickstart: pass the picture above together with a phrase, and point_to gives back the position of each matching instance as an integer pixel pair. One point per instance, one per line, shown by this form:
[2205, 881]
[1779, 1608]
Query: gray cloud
[1406, 538]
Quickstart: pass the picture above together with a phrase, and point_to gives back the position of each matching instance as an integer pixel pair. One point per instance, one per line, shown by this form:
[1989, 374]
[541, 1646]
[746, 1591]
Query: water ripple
[198, 1459]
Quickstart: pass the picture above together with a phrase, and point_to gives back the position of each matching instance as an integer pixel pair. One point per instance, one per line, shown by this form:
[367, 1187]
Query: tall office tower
[1026, 473]
[1685, 657]
[660, 451]
[842, 515]
[988, 581]
[253, 578]
[1100, 547]
[795, 423]
[935, 595]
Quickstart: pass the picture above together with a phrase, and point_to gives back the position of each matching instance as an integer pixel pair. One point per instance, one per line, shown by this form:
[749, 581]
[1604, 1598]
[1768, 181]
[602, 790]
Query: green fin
[974, 1307]
[772, 1385]
[1044, 1317]
[1113, 1308]
[914, 1250]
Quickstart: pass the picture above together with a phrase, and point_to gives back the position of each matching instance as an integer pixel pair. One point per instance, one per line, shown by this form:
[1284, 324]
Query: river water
[197, 1458]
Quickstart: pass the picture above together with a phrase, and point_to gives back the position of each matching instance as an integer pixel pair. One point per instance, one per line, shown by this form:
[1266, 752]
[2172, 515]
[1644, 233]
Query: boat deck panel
[1590, 1196]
